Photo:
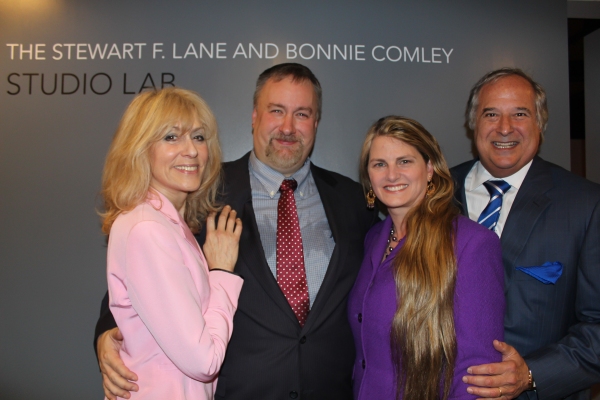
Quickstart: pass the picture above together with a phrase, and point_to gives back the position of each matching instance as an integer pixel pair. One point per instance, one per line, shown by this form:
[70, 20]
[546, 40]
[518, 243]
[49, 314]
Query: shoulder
[567, 182]
[239, 164]
[374, 232]
[340, 191]
[143, 215]
[334, 179]
[344, 201]
[471, 234]
[564, 190]
[460, 171]
[236, 182]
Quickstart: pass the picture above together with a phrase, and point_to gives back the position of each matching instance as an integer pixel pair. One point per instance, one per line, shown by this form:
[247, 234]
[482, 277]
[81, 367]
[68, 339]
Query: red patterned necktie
[291, 275]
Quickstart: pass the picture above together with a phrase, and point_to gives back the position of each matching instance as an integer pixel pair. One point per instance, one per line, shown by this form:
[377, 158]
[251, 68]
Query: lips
[504, 145]
[187, 168]
[396, 188]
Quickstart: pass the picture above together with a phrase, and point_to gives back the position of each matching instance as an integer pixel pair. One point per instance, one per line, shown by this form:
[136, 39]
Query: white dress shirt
[478, 197]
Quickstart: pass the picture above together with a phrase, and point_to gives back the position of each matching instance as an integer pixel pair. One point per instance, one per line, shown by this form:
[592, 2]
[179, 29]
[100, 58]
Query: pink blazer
[176, 316]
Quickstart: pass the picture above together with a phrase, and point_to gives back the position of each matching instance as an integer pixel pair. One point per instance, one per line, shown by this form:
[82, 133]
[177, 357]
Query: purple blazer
[478, 309]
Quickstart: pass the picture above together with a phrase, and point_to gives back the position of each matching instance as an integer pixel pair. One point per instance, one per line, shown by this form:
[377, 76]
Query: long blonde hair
[423, 337]
[127, 171]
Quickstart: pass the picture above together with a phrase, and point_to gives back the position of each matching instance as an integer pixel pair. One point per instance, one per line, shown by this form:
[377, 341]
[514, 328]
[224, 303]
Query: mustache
[285, 138]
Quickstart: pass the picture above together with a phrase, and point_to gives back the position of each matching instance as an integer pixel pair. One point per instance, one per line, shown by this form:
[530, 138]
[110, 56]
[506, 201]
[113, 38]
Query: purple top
[478, 309]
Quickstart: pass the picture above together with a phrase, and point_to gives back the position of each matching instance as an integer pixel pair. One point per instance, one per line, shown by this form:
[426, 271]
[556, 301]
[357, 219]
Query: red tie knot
[288, 184]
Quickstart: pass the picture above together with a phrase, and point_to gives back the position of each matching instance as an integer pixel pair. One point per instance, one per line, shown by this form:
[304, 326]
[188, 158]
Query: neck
[398, 225]
[177, 201]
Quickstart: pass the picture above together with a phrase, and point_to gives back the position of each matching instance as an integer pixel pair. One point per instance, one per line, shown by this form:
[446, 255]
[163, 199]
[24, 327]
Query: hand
[507, 379]
[115, 375]
[222, 242]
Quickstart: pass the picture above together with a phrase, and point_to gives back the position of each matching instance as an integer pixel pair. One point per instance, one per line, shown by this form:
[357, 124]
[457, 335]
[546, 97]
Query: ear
[429, 169]
[316, 125]
[254, 114]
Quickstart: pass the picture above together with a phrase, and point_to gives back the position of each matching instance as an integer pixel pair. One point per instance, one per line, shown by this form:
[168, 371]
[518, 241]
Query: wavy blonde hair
[127, 170]
[423, 337]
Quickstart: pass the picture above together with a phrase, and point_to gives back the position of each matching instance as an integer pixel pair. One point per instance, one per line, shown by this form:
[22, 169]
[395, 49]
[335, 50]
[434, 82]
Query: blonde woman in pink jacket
[173, 303]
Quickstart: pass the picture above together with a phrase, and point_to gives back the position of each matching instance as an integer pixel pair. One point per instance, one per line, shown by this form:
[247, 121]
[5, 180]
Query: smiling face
[507, 135]
[177, 162]
[284, 124]
[398, 174]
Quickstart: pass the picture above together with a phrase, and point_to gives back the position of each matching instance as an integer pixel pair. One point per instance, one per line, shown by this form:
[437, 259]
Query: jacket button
[360, 317]
[293, 394]
[303, 340]
[364, 364]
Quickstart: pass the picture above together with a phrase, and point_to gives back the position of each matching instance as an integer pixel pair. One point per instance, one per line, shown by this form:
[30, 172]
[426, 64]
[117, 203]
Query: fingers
[508, 352]
[503, 347]
[507, 379]
[493, 393]
[112, 390]
[488, 393]
[116, 334]
[487, 369]
[227, 219]
[226, 222]
[116, 376]
[486, 381]
[210, 221]
[238, 228]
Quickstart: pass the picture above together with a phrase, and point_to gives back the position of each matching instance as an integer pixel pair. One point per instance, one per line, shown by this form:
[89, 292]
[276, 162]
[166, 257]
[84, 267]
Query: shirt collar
[160, 203]
[271, 179]
[482, 175]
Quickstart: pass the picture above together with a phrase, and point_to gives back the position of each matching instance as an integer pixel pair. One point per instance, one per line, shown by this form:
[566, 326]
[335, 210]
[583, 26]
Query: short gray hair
[298, 73]
[541, 106]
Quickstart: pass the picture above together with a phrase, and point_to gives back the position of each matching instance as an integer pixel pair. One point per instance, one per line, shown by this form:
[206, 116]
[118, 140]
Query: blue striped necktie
[491, 212]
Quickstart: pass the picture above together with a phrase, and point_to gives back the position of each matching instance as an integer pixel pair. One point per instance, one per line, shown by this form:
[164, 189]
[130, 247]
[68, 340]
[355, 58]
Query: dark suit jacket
[556, 328]
[269, 355]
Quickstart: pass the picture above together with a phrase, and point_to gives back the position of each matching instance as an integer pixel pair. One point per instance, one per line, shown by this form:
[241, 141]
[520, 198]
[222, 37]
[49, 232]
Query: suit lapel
[530, 203]
[334, 211]
[251, 255]
[459, 173]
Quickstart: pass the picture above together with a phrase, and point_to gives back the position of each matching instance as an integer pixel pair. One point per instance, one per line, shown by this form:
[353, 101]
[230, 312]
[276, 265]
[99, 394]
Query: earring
[370, 199]
[430, 188]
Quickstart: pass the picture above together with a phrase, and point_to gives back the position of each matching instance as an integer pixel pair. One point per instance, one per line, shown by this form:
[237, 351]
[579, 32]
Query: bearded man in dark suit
[272, 354]
[549, 225]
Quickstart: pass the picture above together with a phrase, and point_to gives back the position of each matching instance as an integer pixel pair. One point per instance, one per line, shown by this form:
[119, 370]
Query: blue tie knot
[498, 187]
[491, 212]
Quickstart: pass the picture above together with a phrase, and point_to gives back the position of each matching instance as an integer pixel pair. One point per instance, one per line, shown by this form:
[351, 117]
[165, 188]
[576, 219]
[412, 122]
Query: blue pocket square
[547, 273]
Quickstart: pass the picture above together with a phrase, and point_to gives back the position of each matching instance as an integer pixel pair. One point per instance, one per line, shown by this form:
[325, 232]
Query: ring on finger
[500, 390]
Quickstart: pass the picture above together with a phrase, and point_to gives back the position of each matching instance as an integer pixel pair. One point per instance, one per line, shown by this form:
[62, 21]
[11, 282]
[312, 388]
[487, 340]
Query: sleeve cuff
[224, 270]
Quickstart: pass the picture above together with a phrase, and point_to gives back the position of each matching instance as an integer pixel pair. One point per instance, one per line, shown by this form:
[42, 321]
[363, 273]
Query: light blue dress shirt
[317, 238]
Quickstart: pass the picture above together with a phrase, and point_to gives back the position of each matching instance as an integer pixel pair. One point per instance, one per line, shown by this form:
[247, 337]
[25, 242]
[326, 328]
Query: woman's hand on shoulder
[222, 239]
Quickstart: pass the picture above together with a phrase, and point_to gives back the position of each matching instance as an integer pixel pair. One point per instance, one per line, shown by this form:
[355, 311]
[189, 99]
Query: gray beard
[283, 159]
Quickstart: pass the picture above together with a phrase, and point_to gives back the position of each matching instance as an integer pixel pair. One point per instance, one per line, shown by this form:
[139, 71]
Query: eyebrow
[495, 109]
[284, 107]
[404, 157]
[524, 109]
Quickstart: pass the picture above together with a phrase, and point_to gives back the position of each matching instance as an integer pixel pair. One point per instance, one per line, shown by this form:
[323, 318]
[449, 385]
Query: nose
[189, 147]
[393, 172]
[505, 125]
[287, 125]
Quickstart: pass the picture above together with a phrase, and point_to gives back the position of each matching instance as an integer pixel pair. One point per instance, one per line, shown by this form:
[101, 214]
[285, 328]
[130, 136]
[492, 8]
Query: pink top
[175, 316]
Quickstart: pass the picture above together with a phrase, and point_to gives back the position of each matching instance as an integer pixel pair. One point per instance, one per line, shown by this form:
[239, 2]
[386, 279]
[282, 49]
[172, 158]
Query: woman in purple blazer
[429, 298]
[173, 305]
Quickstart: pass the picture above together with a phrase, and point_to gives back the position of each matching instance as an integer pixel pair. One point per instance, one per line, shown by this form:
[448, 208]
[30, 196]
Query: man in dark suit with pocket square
[548, 220]
[282, 348]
